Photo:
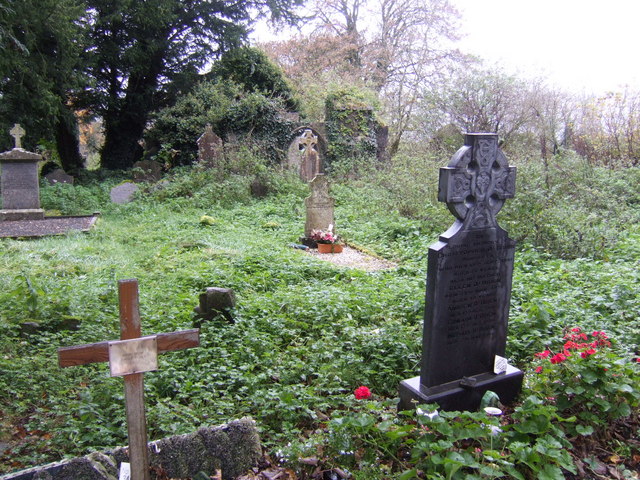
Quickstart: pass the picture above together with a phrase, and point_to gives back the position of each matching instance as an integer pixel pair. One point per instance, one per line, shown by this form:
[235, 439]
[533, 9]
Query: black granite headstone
[468, 287]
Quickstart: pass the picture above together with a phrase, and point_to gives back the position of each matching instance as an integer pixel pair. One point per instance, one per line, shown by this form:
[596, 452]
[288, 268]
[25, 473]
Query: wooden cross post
[131, 357]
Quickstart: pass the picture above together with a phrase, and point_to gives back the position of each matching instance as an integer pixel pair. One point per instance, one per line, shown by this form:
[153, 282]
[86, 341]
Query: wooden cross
[17, 132]
[130, 357]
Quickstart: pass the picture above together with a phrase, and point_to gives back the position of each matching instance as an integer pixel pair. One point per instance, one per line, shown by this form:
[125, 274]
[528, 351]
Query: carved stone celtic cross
[477, 181]
[17, 132]
[308, 140]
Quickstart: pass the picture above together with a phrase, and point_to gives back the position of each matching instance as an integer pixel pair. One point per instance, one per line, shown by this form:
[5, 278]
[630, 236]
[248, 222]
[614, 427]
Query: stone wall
[233, 448]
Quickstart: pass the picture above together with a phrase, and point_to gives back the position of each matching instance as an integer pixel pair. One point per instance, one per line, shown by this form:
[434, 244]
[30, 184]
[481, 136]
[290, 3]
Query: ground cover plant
[307, 334]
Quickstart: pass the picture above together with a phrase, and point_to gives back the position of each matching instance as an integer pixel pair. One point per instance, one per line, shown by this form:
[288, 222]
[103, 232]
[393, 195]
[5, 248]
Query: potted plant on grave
[327, 240]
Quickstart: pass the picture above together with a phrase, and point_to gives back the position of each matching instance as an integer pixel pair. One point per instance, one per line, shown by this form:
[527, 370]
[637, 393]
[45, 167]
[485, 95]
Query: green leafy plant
[588, 379]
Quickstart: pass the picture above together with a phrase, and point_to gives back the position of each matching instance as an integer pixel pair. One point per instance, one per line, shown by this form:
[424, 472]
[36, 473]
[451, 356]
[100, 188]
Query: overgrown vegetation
[307, 333]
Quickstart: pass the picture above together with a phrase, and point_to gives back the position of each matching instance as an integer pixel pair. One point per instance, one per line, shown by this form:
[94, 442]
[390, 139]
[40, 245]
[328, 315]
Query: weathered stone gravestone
[319, 206]
[216, 301]
[468, 287]
[123, 193]
[130, 358]
[20, 182]
[304, 156]
[210, 147]
[59, 176]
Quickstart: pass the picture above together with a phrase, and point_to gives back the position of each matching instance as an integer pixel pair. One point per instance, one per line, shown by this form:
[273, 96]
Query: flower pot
[329, 248]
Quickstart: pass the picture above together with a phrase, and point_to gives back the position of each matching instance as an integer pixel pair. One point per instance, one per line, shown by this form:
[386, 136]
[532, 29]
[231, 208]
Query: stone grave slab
[468, 287]
[47, 226]
[123, 193]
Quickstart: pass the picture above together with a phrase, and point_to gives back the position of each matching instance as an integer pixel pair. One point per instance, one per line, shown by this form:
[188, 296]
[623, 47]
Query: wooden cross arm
[99, 352]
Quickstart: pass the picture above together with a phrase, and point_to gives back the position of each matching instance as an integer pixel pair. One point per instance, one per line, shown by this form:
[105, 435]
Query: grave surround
[468, 286]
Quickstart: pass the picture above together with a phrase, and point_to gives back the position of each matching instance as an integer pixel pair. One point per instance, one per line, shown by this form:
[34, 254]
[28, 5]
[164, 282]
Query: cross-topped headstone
[319, 206]
[131, 357]
[17, 132]
[308, 140]
[210, 147]
[310, 161]
[20, 182]
[468, 286]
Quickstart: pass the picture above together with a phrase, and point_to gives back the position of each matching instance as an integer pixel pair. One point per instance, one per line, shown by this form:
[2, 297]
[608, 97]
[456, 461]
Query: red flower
[558, 358]
[539, 369]
[576, 329]
[362, 393]
[588, 352]
[544, 354]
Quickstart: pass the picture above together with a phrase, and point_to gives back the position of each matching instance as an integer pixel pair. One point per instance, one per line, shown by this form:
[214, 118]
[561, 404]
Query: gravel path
[352, 258]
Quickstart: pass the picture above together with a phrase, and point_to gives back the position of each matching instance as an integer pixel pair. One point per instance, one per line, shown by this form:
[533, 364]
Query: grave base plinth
[21, 214]
[464, 394]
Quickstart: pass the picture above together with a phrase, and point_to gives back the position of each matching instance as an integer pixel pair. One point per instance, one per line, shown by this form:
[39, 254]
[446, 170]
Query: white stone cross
[17, 132]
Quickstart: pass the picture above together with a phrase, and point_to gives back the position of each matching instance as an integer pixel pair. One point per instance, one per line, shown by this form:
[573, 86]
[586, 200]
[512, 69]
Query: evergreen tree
[139, 47]
[40, 45]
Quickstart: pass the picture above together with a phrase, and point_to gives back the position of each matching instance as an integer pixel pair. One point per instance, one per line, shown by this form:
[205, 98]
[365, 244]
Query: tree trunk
[67, 143]
[125, 123]
[121, 143]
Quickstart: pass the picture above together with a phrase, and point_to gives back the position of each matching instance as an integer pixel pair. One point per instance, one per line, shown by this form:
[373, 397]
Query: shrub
[251, 116]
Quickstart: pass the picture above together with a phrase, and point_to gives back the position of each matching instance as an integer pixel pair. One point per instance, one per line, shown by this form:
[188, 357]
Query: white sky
[582, 46]
[586, 46]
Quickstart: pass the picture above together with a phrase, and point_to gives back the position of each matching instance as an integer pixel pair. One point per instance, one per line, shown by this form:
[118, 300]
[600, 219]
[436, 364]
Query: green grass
[306, 333]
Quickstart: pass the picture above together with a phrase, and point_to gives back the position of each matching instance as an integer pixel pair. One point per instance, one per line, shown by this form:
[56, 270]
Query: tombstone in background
[210, 147]
[304, 155]
[123, 193]
[58, 176]
[20, 182]
[468, 287]
[319, 206]
[147, 171]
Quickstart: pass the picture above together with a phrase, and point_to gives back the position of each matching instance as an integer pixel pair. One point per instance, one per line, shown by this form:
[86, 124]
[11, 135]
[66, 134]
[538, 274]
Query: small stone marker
[468, 287]
[20, 182]
[216, 301]
[123, 193]
[319, 206]
[210, 147]
[130, 357]
[59, 176]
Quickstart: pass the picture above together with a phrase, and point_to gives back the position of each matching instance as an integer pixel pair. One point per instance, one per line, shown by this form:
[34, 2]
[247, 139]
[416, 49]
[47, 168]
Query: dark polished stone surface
[462, 395]
[468, 293]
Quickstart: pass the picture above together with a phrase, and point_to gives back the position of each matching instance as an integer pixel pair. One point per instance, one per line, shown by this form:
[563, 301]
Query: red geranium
[362, 393]
[558, 358]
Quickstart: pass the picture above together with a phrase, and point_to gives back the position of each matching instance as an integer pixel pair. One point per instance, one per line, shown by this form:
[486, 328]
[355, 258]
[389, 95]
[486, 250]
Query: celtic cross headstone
[468, 286]
[20, 181]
